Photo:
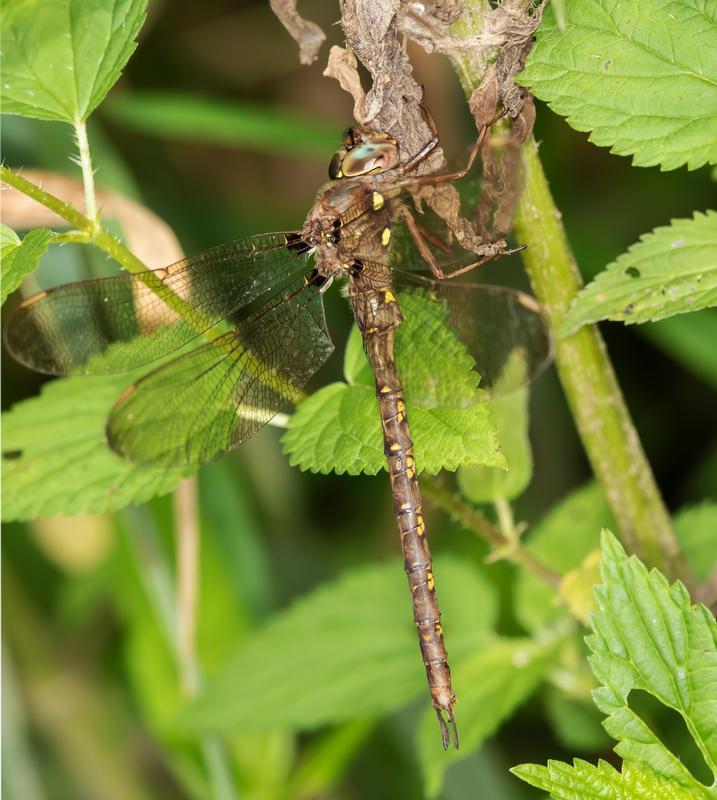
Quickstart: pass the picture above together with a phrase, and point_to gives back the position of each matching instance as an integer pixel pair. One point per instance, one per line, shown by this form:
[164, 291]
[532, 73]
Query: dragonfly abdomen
[408, 509]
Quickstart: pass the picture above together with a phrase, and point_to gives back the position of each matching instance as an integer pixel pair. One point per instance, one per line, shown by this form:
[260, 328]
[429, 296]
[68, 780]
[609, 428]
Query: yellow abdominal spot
[429, 581]
[439, 629]
[394, 447]
[372, 330]
[421, 526]
[377, 200]
[386, 236]
[389, 297]
[385, 390]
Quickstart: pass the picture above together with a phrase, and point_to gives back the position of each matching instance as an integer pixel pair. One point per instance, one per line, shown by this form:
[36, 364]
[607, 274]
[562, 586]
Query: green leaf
[562, 539]
[18, 259]
[61, 57]
[240, 124]
[624, 70]
[584, 781]
[696, 528]
[56, 460]
[649, 637]
[490, 684]
[484, 484]
[672, 270]
[347, 650]
[338, 429]
[575, 721]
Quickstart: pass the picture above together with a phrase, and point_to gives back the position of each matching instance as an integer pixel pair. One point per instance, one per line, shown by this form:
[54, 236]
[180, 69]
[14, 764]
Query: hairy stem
[593, 393]
[88, 175]
[472, 519]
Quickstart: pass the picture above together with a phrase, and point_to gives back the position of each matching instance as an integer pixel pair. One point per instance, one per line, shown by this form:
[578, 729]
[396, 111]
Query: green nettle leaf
[672, 270]
[329, 658]
[584, 780]
[338, 428]
[491, 684]
[56, 460]
[625, 71]
[562, 539]
[61, 57]
[649, 637]
[18, 259]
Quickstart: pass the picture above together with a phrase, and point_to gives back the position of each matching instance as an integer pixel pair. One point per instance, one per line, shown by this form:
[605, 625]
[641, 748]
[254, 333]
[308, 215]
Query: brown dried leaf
[308, 35]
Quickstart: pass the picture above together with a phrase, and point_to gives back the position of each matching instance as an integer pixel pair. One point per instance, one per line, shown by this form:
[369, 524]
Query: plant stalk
[88, 174]
[598, 407]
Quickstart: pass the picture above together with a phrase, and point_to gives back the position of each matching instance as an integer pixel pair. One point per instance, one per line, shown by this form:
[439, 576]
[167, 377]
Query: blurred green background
[217, 128]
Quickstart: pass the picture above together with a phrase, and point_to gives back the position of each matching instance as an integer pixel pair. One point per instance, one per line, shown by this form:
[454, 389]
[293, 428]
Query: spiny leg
[423, 249]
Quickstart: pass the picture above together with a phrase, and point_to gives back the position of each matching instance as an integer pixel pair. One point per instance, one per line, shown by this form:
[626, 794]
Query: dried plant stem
[509, 548]
[186, 528]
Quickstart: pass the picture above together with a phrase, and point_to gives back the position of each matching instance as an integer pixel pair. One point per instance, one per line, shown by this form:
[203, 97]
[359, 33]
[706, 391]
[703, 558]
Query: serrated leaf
[672, 270]
[56, 460]
[338, 429]
[345, 651]
[562, 540]
[585, 781]
[696, 530]
[8, 238]
[435, 367]
[623, 72]
[61, 57]
[649, 637]
[18, 259]
[490, 685]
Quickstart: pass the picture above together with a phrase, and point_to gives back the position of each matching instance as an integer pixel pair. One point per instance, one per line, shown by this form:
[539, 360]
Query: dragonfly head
[364, 152]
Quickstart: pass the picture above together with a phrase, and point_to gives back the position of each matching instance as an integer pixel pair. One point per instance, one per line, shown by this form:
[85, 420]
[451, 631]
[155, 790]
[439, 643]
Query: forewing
[210, 400]
[70, 329]
[504, 330]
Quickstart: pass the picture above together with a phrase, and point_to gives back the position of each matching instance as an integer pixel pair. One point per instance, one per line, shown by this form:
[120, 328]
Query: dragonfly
[244, 328]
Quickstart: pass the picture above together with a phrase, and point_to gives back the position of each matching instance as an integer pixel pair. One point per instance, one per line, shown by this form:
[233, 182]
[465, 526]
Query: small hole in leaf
[633, 272]
[671, 730]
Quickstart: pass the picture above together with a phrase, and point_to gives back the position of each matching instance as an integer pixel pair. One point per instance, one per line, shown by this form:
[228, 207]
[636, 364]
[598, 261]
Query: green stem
[88, 174]
[601, 416]
[593, 393]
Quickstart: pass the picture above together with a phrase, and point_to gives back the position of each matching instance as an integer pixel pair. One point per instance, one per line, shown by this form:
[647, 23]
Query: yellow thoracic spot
[386, 236]
[378, 201]
[429, 581]
[389, 297]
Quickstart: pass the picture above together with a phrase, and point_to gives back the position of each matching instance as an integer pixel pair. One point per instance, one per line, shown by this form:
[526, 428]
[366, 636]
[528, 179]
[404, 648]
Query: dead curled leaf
[308, 35]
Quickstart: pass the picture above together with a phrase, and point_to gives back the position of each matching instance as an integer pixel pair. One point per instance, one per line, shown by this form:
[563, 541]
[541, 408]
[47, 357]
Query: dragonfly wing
[504, 330]
[210, 400]
[72, 328]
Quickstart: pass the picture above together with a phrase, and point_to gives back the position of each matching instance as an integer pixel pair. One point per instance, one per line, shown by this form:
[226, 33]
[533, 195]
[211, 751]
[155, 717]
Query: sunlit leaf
[490, 684]
[624, 71]
[61, 57]
[584, 780]
[56, 460]
[329, 658]
[672, 270]
[18, 259]
[649, 637]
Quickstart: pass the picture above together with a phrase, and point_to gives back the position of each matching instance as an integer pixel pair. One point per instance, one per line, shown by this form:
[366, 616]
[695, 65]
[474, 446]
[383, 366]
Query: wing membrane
[210, 400]
[71, 328]
[504, 330]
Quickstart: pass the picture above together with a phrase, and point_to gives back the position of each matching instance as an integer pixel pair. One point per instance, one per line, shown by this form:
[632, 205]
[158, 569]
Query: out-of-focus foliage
[305, 676]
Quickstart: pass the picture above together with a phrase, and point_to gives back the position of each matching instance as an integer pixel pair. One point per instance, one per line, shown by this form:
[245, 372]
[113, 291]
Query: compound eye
[335, 171]
[371, 157]
[349, 138]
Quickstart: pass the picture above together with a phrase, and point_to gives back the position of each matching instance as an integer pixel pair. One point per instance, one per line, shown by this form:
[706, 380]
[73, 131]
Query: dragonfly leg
[427, 148]
[481, 261]
[415, 231]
